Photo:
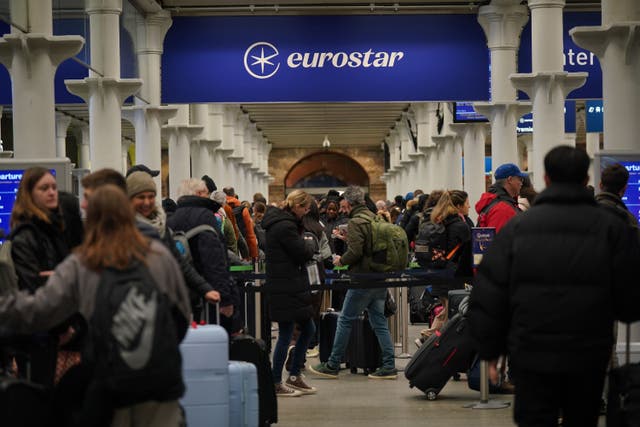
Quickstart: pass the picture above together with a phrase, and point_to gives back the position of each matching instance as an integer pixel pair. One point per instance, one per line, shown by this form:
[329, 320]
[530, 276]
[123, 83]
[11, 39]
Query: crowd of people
[568, 250]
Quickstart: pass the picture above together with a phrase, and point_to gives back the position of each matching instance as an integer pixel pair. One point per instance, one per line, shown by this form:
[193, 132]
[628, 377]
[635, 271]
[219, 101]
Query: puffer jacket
[544, 278]
[286, 255]
[208, 250]
[37, 246]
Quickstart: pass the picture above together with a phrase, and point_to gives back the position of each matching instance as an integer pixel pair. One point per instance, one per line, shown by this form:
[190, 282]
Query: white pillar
[547, 85]
[124, 153]
[617, 45]
[32, 58]
[62, 124]
[103, 90]
[473, 138]
[593, 146]
[502, 22]
[84, 155]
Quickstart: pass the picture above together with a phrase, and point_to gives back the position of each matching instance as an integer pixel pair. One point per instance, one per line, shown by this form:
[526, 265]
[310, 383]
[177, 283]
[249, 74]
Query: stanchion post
[484, 391]
[257, 298]
[403, 321]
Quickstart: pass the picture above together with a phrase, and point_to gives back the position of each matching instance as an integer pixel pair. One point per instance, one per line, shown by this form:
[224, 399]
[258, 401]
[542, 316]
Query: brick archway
[343, 168]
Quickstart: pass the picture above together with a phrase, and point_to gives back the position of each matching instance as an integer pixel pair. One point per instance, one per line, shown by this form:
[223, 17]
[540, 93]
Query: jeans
[285, 331]
[355, 302]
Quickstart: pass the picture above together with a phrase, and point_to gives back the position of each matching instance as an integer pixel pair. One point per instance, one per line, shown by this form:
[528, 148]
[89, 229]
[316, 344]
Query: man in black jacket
[613, 184]
[545, 276]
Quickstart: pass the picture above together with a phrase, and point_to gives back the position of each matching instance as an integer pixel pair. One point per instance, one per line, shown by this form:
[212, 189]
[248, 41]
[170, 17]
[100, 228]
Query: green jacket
[358, 254]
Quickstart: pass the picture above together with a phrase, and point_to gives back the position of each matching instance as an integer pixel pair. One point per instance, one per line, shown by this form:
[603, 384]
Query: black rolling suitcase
[246, 348]
[623, 401]
[326, 333]
[363, 351]
[440, 357]
[456, 296]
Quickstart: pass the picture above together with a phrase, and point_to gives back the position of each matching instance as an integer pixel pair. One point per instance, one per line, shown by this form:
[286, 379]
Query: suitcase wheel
[353, 370]
[431, 393]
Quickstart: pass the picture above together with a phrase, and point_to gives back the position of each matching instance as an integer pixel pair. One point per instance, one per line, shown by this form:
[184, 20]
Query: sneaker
[324, 370]
[297, 383]
[284, 391]
[289, 360]
[384, 374]
[313, 352]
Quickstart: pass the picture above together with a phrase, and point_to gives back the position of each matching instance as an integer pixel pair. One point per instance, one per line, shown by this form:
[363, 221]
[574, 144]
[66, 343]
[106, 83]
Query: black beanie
[211, 186]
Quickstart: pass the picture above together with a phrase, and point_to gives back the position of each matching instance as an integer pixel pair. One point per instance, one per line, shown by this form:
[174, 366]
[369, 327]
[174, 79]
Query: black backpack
[243, 247]
[431, 245]
[132, 342]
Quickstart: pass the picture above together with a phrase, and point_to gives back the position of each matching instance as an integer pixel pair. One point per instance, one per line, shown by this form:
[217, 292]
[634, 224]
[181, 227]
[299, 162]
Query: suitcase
[327, 333]
[205, 366]
[243, 394]
[246, 348]
[440, 357]
[623, 400]
[455, 298]
[473, 378]
[363, 351]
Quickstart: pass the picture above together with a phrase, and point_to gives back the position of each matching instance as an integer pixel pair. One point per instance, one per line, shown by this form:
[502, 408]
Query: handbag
[623, 405]
[390, 305]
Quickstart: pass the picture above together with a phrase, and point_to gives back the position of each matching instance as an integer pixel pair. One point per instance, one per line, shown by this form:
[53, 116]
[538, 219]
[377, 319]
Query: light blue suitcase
[243, 394]
[205, 360]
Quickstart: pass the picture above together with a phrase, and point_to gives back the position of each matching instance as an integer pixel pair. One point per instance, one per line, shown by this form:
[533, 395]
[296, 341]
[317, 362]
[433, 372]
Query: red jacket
[501, 212]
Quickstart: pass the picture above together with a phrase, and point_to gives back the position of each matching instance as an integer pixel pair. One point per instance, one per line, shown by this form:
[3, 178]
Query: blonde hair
[443, 208]
[297, 198]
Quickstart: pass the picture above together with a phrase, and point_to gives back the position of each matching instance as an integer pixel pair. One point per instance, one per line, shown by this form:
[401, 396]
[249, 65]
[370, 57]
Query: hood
[566, 194]
[232, 201]
[274, 215]
[197, 201]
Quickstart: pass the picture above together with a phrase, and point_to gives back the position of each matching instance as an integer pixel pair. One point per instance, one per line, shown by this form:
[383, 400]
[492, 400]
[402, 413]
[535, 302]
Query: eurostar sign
[297, 59]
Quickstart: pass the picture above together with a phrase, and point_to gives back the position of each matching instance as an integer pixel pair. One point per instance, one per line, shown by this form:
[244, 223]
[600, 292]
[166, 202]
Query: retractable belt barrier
[342, 281]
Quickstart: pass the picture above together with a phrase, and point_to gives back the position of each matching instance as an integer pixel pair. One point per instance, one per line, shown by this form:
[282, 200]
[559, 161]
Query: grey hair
[191, 187]
[354, 195]
[501, 182]
[220, 197]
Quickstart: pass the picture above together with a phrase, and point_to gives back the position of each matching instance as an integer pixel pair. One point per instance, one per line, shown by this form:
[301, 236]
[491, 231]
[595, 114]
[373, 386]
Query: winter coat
[37, 246]
[286, 255]
[614, 204]
[72, 288]
[457, 232]
[544, 278]
[248, 233]
[207, 249]
[358, 254]
[501, 212]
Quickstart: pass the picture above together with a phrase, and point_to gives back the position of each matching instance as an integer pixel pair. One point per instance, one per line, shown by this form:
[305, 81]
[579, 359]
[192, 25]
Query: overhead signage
[525, 123]
[576, 58]
[594, 112]
[295, 59]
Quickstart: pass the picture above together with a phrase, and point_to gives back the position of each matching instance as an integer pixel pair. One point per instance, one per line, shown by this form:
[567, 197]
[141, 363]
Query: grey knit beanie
[139, 182]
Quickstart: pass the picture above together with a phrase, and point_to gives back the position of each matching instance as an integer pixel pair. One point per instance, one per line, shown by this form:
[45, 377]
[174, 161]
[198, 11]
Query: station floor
[355, 401]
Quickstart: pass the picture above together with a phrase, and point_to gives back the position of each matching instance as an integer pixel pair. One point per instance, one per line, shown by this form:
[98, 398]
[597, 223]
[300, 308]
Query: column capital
[103, 6]
[57, 48]
[90, 86]
[491, 110]
[162, 113]
[596, 39]
[151, 31]
[546, 4]
[503, 24]
[530, 82]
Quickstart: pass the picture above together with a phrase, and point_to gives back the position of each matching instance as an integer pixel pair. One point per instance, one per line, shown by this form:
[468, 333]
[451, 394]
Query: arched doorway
[323, 170]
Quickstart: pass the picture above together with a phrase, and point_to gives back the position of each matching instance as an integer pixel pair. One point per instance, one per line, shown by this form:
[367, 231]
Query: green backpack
[390, 251]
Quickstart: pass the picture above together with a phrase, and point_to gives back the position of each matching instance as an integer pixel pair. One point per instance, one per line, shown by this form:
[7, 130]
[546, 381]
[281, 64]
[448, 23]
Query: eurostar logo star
[258, 60]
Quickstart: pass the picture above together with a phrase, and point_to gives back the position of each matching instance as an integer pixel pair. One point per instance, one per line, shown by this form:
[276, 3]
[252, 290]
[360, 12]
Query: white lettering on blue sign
[259, 59]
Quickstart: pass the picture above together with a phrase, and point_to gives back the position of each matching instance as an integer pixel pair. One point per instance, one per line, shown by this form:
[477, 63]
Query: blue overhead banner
[576, 59]
[325, 59]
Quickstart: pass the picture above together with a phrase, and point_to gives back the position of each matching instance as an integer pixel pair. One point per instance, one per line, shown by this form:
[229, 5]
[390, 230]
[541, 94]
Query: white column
[473, 138]
[124, 153]
[62, 124]
[502, 22]
[32, 58]
[593, 146]
[103, 90]
[617, 44]
[84, 155]
[547, 85]
[179, 134]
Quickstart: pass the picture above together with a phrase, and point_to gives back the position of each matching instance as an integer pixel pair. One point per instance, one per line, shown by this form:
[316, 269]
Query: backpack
[431, 245]
[482, 216]
[181, 239]
[8, 276]
[390, 248]
[243, 247]
[132, 343]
